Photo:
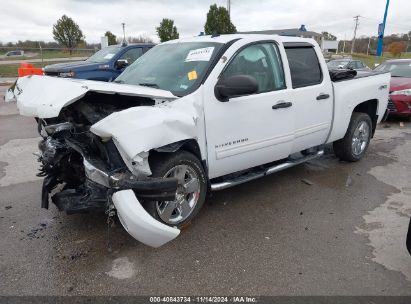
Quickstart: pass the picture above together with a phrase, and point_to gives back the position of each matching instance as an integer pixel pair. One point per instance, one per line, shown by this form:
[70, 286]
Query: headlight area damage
[94, 157]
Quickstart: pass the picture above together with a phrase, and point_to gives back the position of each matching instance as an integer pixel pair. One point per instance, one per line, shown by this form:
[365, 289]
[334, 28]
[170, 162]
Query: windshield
[105, 54]
[337, 63]
[397, 69]
[176, 67]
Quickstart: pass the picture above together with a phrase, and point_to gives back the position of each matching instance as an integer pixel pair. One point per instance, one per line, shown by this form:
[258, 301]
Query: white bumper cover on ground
[138, 223]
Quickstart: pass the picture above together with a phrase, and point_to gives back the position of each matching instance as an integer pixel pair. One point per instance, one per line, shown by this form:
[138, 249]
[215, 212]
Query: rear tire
[191, 193]
[354, 144]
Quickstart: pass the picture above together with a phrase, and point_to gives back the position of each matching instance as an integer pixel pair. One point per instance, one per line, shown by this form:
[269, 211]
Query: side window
[261, 61]
[359, 65]
[132, 55]
[304, 66]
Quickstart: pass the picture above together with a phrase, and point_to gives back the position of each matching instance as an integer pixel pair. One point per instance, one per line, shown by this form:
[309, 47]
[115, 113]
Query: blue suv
[105, 65]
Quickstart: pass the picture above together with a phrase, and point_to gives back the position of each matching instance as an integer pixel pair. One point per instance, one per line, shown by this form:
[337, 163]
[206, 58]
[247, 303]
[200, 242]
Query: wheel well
[189, 145]
[369, 107]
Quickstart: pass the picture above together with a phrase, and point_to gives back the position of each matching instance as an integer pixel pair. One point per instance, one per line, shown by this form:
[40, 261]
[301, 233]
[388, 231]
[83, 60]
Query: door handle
[282, 105]
[323, 96]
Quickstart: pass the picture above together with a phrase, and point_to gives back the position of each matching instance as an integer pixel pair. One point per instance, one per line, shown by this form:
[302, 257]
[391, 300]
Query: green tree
[112, 39]
[67, 33]
[218, 21]
[167, 30]
[328, 36]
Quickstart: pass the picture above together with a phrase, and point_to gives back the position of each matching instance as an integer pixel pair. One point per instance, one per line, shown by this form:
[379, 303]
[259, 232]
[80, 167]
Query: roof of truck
[230, 37]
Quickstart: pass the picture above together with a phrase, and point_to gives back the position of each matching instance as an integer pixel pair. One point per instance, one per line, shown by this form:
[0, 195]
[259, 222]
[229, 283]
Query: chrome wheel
[187, 195]
[360, 138]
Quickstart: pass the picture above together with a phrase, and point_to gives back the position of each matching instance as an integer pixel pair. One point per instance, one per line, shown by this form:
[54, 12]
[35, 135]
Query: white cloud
[21, 20]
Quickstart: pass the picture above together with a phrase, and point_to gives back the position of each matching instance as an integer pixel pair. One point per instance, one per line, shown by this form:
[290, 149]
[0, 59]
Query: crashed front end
[86, 169]
[83, 174]
[90, 170]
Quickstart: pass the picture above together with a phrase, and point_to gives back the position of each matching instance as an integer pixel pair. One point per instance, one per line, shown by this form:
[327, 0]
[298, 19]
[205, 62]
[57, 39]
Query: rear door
[251, 130]
[312, 95]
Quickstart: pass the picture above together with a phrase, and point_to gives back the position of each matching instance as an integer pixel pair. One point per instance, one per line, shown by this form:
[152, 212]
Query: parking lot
[322, 228]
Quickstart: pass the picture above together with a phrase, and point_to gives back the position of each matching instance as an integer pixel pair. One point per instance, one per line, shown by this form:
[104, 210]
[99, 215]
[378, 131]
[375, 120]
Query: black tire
[343, 148]
[161, 164]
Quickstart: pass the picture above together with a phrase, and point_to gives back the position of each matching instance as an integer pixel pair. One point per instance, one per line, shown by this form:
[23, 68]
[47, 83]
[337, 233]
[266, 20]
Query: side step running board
[268, 171]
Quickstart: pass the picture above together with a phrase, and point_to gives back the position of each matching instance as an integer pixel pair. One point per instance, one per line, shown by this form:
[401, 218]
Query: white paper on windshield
[203, 54]
[108, 56]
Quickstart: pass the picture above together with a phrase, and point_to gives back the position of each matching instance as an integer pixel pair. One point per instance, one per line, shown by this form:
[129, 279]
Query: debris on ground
[8, 207]
[306, 181]
[348, 181]
[386, 126]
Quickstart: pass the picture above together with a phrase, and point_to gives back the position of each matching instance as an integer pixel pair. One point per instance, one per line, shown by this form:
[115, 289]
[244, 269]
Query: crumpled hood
[44, 96]
[140, 129]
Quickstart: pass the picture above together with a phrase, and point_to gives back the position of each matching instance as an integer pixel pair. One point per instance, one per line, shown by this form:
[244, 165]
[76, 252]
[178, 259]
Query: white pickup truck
[192, 116]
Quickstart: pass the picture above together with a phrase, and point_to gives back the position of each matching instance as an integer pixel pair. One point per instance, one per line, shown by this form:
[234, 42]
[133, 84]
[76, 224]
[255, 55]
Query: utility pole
[357, 22]
[229, 8]
[124, 33]
[381, 29]
[345, 38]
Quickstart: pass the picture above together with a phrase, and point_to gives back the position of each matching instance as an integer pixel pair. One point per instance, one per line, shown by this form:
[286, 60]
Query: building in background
[326, 45]
[293, 32]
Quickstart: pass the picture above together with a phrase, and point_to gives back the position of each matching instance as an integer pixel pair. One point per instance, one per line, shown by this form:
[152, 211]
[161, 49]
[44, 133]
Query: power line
[357, 23]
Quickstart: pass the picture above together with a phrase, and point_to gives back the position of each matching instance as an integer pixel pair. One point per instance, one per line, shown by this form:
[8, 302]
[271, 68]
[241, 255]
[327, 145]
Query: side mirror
[122, 63]
[234, 86]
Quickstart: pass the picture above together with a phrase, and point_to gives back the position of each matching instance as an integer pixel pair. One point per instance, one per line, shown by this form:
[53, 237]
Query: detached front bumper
[134, 218]
[138, 223]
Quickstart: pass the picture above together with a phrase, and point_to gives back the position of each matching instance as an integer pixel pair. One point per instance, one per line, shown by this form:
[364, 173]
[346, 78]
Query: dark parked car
[14, 54]
[399, 103]
[348, 64]
[105, 65]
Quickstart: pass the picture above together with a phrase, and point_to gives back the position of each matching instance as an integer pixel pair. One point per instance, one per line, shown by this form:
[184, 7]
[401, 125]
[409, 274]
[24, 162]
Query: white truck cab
[192, 116]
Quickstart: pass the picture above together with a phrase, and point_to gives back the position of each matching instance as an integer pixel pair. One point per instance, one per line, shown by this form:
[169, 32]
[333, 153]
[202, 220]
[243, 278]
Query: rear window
[304, 66]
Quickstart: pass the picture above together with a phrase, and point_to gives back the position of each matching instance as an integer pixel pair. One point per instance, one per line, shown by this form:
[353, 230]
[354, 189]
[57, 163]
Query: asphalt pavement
[322, 228]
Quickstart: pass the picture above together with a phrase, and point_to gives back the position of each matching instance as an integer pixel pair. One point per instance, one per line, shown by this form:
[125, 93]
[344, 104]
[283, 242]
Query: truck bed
[352, 91]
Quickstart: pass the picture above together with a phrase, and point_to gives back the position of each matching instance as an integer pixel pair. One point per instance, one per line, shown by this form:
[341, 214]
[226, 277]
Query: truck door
[251, 130]
[312, 95]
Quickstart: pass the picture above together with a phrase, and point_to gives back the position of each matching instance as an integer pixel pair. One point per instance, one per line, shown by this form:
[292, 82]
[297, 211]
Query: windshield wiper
[119, 81]
[151, 85]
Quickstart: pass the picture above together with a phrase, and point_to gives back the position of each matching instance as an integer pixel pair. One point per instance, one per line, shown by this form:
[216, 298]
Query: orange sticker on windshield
[192, 75]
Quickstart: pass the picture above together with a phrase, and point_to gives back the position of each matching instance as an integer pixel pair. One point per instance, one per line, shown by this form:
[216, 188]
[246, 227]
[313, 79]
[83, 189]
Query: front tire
[354, 144]
[191, 191]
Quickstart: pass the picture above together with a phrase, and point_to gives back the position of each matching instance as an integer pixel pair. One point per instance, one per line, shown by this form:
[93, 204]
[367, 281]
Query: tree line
[395, 44]
[67, 33]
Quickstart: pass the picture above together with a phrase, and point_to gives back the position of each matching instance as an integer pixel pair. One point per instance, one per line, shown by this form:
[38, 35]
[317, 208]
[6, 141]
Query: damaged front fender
[138, 223]
[136, 131]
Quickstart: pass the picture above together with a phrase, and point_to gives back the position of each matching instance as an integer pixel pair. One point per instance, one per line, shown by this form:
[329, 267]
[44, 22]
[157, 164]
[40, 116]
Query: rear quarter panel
[350, 93]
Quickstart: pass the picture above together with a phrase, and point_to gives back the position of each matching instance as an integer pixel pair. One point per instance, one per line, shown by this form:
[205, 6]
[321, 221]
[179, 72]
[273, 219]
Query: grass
[10, 70]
